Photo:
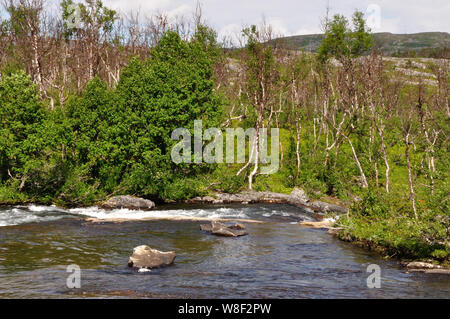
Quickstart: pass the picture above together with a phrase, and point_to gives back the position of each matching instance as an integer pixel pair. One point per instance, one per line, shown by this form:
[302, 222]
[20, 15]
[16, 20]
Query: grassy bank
[384, 224]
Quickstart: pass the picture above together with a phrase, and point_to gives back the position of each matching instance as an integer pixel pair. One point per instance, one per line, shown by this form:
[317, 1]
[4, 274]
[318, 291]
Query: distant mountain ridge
[389, 43]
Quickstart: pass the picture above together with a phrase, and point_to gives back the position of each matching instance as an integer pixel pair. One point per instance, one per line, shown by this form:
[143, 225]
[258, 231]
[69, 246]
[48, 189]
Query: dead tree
[260, 83]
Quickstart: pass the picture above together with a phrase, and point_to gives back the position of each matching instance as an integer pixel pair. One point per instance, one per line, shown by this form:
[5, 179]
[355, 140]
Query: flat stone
[318, 225]
[149, 258]
[422, 265]
[220, 229]
[432, 271]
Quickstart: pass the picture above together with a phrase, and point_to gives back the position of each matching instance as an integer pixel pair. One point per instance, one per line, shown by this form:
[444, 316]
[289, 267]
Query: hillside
[390, 44]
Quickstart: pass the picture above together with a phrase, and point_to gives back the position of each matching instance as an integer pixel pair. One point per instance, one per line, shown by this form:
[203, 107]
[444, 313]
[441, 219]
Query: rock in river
[417, 266]
[146, 257]
[299, 195]
[324, 224]
[128, 202]
[219, 229]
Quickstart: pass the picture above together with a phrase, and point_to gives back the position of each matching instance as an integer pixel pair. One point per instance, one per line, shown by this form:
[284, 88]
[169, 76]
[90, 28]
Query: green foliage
[19, 17]
[381, 222]
[373, 204]
[183, 188]
[166, 92]
[21, 114]
[91, 15]
[112, 141]
[343, 42]
[260, 65]
[440, 254]
[11, 195]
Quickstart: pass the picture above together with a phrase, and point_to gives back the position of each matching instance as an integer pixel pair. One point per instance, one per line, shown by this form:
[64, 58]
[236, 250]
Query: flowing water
[279, 259]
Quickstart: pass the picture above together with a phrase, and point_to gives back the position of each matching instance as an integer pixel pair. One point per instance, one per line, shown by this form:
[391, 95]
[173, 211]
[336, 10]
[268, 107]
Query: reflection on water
[278, 259]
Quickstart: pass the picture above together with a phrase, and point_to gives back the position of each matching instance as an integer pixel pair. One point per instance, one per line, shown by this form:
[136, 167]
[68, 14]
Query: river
[278, 259]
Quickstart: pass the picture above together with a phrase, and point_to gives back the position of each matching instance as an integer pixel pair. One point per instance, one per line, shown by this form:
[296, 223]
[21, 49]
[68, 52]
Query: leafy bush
[21, 114]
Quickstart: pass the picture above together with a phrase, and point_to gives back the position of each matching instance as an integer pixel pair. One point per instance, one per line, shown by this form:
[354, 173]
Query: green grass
[10, 196]
[396, 236]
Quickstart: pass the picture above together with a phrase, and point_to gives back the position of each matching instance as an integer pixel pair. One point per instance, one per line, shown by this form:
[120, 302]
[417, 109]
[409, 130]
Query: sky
[295, 17]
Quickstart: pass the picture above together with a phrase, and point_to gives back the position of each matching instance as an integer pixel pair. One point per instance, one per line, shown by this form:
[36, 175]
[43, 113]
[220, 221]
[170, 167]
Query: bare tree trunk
[412, 194]
[386, 162]
[255, 169]
[297, 150]
[358, 163]
[430, 144]
[259, 125]
[278, 127]
[252, 152]
[37, 72]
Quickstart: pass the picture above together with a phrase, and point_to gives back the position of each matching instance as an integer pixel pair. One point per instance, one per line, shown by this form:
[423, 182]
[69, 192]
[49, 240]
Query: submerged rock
[206, 227]
[219, 229]
[129, 202]
[146, 257]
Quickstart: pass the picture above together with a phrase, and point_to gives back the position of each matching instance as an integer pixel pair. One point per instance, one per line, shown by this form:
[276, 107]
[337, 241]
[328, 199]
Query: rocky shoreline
[297, 198]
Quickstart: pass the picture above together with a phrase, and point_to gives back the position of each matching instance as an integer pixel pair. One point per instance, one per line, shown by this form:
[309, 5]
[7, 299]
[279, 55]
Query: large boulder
[299, 195]
[148, 258]
[129, 202]
[328, 208]
[219, 229]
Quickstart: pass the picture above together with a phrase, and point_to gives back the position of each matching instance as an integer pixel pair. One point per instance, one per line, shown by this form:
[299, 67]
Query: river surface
[278, 259]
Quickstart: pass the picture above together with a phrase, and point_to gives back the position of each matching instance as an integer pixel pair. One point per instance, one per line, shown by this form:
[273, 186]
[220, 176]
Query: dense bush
[111, 141]
[22, 115]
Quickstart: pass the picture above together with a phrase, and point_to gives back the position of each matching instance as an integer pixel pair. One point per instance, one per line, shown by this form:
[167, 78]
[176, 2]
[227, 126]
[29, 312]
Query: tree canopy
[343, 41]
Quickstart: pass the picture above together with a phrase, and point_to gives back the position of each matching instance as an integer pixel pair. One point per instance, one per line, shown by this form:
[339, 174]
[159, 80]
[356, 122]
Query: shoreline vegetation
[87, 113]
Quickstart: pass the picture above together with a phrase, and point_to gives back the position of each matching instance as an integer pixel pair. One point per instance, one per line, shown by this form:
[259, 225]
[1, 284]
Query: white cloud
[299, 16]
[181, 11]
[303, 31]
[278, 27]
[231, 32]
[144, 6]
